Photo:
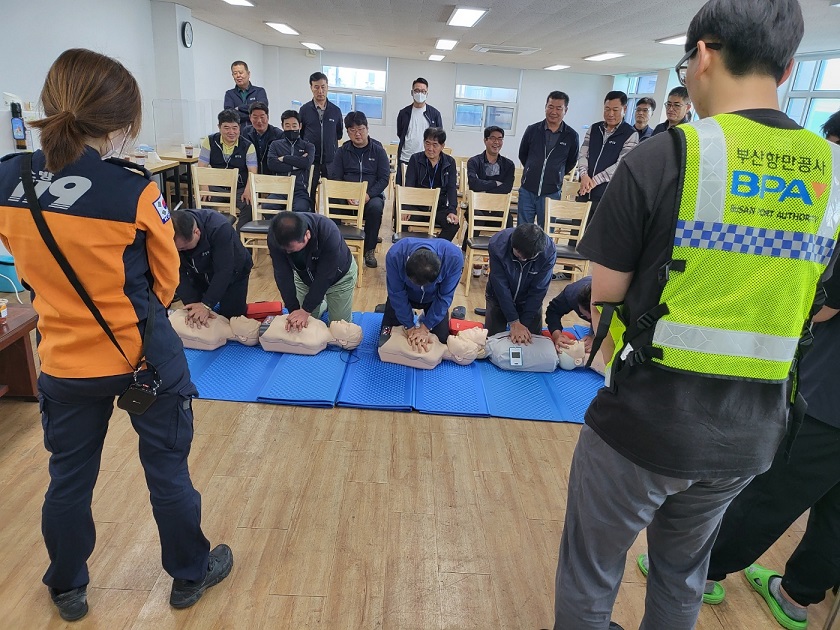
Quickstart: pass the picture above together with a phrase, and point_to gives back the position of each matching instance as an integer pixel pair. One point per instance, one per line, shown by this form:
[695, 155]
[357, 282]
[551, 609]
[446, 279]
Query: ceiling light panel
[240, 3]
[556, 67]
[604, 56]
[312, 46]
[437, 57]
[283, 28]
[465, 16]
[446, 44]
[676, 40]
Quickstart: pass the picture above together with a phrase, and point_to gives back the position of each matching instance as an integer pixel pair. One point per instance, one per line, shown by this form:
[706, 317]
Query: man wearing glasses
[604, 146]
[644, 110]
[677, 110]
[706, 256]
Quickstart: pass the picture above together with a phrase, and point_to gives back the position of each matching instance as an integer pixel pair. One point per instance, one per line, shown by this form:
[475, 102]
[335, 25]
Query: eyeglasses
[682, 65]
[679, 105]
[494, 139]
[643, 110]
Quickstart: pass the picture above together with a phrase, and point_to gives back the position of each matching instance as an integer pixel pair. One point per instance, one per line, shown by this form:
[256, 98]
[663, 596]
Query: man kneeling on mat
[215, 266]
[423, 274]
[313, 268]
[521, 262]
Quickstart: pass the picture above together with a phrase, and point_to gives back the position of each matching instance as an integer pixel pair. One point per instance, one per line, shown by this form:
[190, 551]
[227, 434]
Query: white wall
[118, 28]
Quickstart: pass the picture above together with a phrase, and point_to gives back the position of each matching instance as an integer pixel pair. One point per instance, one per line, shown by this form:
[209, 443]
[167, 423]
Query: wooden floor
[337, 519]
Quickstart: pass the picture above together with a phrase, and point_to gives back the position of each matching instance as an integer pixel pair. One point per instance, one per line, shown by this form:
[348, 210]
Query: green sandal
[759, 579]
[714, 598]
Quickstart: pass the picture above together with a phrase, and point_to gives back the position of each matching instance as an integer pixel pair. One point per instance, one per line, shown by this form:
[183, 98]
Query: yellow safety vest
[758, 221]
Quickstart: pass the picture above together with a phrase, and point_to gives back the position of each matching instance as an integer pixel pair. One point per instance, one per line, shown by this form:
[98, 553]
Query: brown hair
[85, 95]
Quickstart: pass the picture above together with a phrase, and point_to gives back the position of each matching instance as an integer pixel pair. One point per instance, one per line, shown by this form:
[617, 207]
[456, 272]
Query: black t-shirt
[820, 366]
[673, 423]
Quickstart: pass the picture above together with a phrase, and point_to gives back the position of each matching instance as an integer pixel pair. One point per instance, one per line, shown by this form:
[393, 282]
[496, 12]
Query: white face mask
[419, 97]
[118, 139]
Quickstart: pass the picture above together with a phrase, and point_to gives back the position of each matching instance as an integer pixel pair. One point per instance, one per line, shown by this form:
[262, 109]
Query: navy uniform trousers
[75, 415]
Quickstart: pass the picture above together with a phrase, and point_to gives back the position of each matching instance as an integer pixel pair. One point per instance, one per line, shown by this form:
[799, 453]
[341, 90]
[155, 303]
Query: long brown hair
[85, 95]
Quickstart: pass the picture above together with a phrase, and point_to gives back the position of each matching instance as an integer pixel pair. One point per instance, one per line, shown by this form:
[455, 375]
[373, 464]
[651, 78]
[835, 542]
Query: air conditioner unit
[503, 50]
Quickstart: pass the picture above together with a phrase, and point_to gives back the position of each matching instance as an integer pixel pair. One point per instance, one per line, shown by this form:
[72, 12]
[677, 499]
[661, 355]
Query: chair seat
[408, 234]
[256, 227]
[479, 242]
[351, 233]
[567, 251]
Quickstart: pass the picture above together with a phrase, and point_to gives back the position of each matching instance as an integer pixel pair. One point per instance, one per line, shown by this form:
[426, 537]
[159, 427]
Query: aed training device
[18, 128]
[515, 356]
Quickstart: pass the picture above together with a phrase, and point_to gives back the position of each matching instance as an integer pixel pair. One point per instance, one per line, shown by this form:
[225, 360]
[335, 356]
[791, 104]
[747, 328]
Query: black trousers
[75, 414]
[773, 501]
[441, 331]
[496, 322]
[234, 301]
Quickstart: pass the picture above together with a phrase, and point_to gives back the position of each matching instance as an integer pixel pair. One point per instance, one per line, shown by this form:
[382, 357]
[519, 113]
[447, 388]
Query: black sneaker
[370, 259]
[615, 626]
[72, 605]
[480, 311]
[459, 312]
[185, 593]
[378, 239]
[380, 308]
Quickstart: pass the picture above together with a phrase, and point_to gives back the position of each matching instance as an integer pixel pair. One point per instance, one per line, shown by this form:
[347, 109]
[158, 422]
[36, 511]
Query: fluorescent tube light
[463, 16]
[312, 46]
[557, 67]
[283, 28]
[240, 3]
[604, 56]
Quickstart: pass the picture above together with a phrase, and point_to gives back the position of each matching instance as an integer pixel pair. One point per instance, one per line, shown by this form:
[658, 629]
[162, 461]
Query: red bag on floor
[457, 325]
[261, 310]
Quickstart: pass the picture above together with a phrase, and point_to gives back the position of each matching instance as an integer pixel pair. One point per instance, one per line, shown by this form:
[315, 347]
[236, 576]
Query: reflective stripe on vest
[758, 222]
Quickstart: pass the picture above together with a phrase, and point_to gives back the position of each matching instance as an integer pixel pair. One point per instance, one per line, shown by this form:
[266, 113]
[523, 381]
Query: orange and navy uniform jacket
[113, 226]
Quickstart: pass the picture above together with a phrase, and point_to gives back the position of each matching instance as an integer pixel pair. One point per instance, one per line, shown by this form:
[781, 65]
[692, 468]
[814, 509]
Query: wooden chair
[335, 204]
[461, 170]
[254, 234]
[393, 162]
[514, 193]
[223, 195]
[420, 206]
[447, 150]
[570, 190]
[565, 221]
[493, 218]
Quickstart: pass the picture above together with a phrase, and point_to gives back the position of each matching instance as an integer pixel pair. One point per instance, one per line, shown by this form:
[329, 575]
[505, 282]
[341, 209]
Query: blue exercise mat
[371, 384]
[232, 372]
[521, 395]
[306, 381]
[576, 389]
[450, 389]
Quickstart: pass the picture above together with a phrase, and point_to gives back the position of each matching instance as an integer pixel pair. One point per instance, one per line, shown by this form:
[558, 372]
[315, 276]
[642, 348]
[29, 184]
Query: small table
[187, 162]
[162, 168]
[17, 363]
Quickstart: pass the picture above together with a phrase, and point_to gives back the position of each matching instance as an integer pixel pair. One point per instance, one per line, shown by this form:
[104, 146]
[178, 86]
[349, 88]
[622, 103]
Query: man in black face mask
[291, 155]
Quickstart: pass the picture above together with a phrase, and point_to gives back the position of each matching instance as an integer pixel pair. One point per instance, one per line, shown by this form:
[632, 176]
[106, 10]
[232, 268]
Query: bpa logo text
[747, 184]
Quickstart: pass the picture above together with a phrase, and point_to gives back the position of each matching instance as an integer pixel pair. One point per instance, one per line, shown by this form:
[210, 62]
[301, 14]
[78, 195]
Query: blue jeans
[531, 205]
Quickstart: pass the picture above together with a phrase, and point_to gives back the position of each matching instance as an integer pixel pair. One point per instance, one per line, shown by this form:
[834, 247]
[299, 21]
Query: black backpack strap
[61, 259]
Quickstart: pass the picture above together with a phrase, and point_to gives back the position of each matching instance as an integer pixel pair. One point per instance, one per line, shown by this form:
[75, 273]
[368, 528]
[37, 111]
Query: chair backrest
[447, 150]
[517, 182]
[461, 169]
[570, 190]
[393, 157]
[337, 201]
[565, 220]
[223, 181]
[264, 185]
[421, 213]
[490, 209]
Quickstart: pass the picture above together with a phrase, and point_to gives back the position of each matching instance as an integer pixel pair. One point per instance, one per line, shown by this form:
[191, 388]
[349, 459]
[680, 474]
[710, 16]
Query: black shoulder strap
[61, 259]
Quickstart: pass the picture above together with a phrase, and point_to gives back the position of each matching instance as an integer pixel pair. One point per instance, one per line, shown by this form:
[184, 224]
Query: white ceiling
[564, 30]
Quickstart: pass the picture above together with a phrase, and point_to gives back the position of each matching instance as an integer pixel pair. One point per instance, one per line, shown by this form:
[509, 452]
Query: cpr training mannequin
[311, 339]
[217, 332]
[463, 349]
[575, 356]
